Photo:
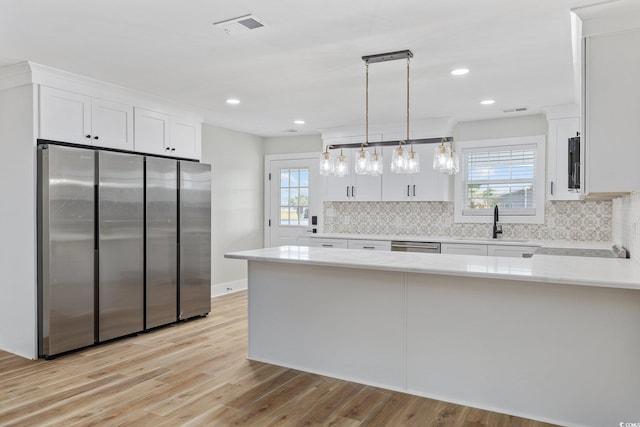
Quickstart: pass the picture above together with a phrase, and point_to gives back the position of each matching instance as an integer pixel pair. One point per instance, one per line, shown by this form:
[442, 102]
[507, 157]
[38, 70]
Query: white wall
[293, 144]
[237, 163]
[18, 222]
[501, 128]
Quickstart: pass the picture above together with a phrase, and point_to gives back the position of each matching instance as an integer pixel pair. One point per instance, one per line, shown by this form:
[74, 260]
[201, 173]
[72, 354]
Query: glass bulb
[326, 164]
[362, 160]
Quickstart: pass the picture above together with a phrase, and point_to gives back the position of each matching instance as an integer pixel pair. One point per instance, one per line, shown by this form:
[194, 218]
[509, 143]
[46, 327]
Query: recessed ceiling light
[487, 102]
[460, 71]
[233, 101]
[298, 122]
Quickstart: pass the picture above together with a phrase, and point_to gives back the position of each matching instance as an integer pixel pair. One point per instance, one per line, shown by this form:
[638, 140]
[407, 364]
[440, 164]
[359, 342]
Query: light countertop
[469, 240]
[584, 271]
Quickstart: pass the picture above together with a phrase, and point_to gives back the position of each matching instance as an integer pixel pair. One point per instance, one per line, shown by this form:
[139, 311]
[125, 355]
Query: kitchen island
[555, 339]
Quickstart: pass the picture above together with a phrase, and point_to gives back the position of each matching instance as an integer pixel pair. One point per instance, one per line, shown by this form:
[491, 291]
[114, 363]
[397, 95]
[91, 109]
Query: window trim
[539, 187]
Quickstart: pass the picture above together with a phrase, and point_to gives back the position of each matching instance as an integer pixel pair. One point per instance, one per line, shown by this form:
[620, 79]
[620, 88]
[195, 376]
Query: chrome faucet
[497, 229]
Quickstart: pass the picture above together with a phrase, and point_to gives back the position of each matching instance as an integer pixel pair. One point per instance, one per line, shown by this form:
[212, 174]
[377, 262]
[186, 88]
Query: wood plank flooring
[196, 374]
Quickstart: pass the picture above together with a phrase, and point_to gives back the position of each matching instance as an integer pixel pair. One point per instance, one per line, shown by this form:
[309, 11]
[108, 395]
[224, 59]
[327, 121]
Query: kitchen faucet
[497, 229]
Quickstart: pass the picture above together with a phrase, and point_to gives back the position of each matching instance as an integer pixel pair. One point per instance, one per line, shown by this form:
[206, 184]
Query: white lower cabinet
[372, 245]
[329, 243]
[509, 250]
[463, 249]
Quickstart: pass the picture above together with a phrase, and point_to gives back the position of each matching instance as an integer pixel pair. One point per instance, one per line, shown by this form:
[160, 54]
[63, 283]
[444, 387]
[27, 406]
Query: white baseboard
[228, 287]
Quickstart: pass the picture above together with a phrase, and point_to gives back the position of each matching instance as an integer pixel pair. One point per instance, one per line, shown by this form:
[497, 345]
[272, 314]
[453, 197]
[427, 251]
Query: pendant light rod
[390, 56]
[367, 103]
[408, 61]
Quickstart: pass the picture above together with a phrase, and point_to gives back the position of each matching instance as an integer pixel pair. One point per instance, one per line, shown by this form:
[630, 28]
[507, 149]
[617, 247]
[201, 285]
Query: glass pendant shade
[446, 159]
[413, 162]
[375, 163]
[362, 162]
[453, 163]
[400, 160]
[341, 165]
[326, 164]
[440, 157]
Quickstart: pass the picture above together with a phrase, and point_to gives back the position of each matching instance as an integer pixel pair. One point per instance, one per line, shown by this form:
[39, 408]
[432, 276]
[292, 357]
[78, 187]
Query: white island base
[559, 353]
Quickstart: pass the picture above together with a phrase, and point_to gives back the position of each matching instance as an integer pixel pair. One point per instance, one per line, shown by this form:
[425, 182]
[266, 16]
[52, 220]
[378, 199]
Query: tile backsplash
[626, 223]
[564, 220]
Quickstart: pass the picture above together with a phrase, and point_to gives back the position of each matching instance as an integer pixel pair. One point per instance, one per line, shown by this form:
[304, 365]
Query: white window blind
[503, 176]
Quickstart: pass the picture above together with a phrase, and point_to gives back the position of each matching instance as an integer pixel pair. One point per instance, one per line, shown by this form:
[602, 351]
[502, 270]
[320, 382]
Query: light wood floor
[196, 374]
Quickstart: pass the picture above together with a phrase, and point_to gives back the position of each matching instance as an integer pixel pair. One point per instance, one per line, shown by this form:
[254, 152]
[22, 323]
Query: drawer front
[510, 251]
[329, 243]
[463, 249]
[374, 245]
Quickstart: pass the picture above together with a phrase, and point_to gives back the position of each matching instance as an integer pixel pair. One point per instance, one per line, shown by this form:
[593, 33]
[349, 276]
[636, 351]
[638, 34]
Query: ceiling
[305, 63]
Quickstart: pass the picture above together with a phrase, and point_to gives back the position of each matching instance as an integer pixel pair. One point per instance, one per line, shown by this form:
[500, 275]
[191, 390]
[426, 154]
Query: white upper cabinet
[560, 130]
[352, 187]
[186, 136]
[111, 124]
[152, 132]
[426, 185]
[611, 110]
[163, 134]
[65, 116]
[79, 119]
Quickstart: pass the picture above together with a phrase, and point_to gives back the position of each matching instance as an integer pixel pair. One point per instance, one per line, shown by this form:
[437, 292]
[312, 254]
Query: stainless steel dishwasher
[427, 247]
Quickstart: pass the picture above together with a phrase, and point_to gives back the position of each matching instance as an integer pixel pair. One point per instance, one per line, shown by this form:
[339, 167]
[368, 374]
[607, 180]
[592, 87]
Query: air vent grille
[515, 110]
[240, 24]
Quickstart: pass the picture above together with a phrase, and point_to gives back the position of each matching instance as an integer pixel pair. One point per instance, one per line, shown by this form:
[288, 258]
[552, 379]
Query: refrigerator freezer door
[162, 241]
[65, 248]
[195, 239]
[121, 244]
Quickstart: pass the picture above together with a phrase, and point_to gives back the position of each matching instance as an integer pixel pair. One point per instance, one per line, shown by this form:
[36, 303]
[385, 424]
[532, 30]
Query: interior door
[294, 198]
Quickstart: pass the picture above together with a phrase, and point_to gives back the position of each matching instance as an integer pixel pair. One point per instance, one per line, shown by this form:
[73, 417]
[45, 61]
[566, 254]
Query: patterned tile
[564, 220]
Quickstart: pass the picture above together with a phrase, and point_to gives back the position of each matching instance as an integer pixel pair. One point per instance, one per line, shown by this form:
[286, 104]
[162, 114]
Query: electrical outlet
[551, 222]
[398, 221]
[347, 220]
[331, 212]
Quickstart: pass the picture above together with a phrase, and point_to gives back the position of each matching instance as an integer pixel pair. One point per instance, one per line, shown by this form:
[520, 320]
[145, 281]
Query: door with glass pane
[293, 201]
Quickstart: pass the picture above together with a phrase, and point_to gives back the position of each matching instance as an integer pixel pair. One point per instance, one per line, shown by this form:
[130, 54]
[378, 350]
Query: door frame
[268, 158]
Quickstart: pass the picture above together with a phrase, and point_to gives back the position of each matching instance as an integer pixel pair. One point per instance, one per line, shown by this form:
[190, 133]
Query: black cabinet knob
[168, 148]
[173, 149]
[88, 136]
[95, 137]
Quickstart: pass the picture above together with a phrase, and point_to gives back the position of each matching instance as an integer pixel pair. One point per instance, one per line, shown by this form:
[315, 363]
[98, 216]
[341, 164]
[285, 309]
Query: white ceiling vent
[239, 24]
[515, 110]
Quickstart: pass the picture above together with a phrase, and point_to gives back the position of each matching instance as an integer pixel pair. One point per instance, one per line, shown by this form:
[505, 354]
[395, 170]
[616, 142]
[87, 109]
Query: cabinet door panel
[185, 138]
[112, 124]
[395, 186]
[65, 116]
[560, 130]
[151, 132]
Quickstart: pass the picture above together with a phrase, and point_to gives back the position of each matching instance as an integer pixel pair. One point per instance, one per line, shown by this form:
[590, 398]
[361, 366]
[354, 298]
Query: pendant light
[375, 163]
[327, 166]
[445, 158]
[341, 167]
[403, 160]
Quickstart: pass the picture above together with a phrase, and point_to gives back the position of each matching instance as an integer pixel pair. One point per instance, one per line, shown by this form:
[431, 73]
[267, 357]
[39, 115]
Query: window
[508, 173]
[294, 197]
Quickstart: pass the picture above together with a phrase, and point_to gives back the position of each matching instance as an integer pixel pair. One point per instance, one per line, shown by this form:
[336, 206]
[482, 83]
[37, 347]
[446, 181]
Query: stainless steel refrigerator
[195, 239]
[90, 247]
[120, 244]
[162, 241]
[124, 244]
[66, 248]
